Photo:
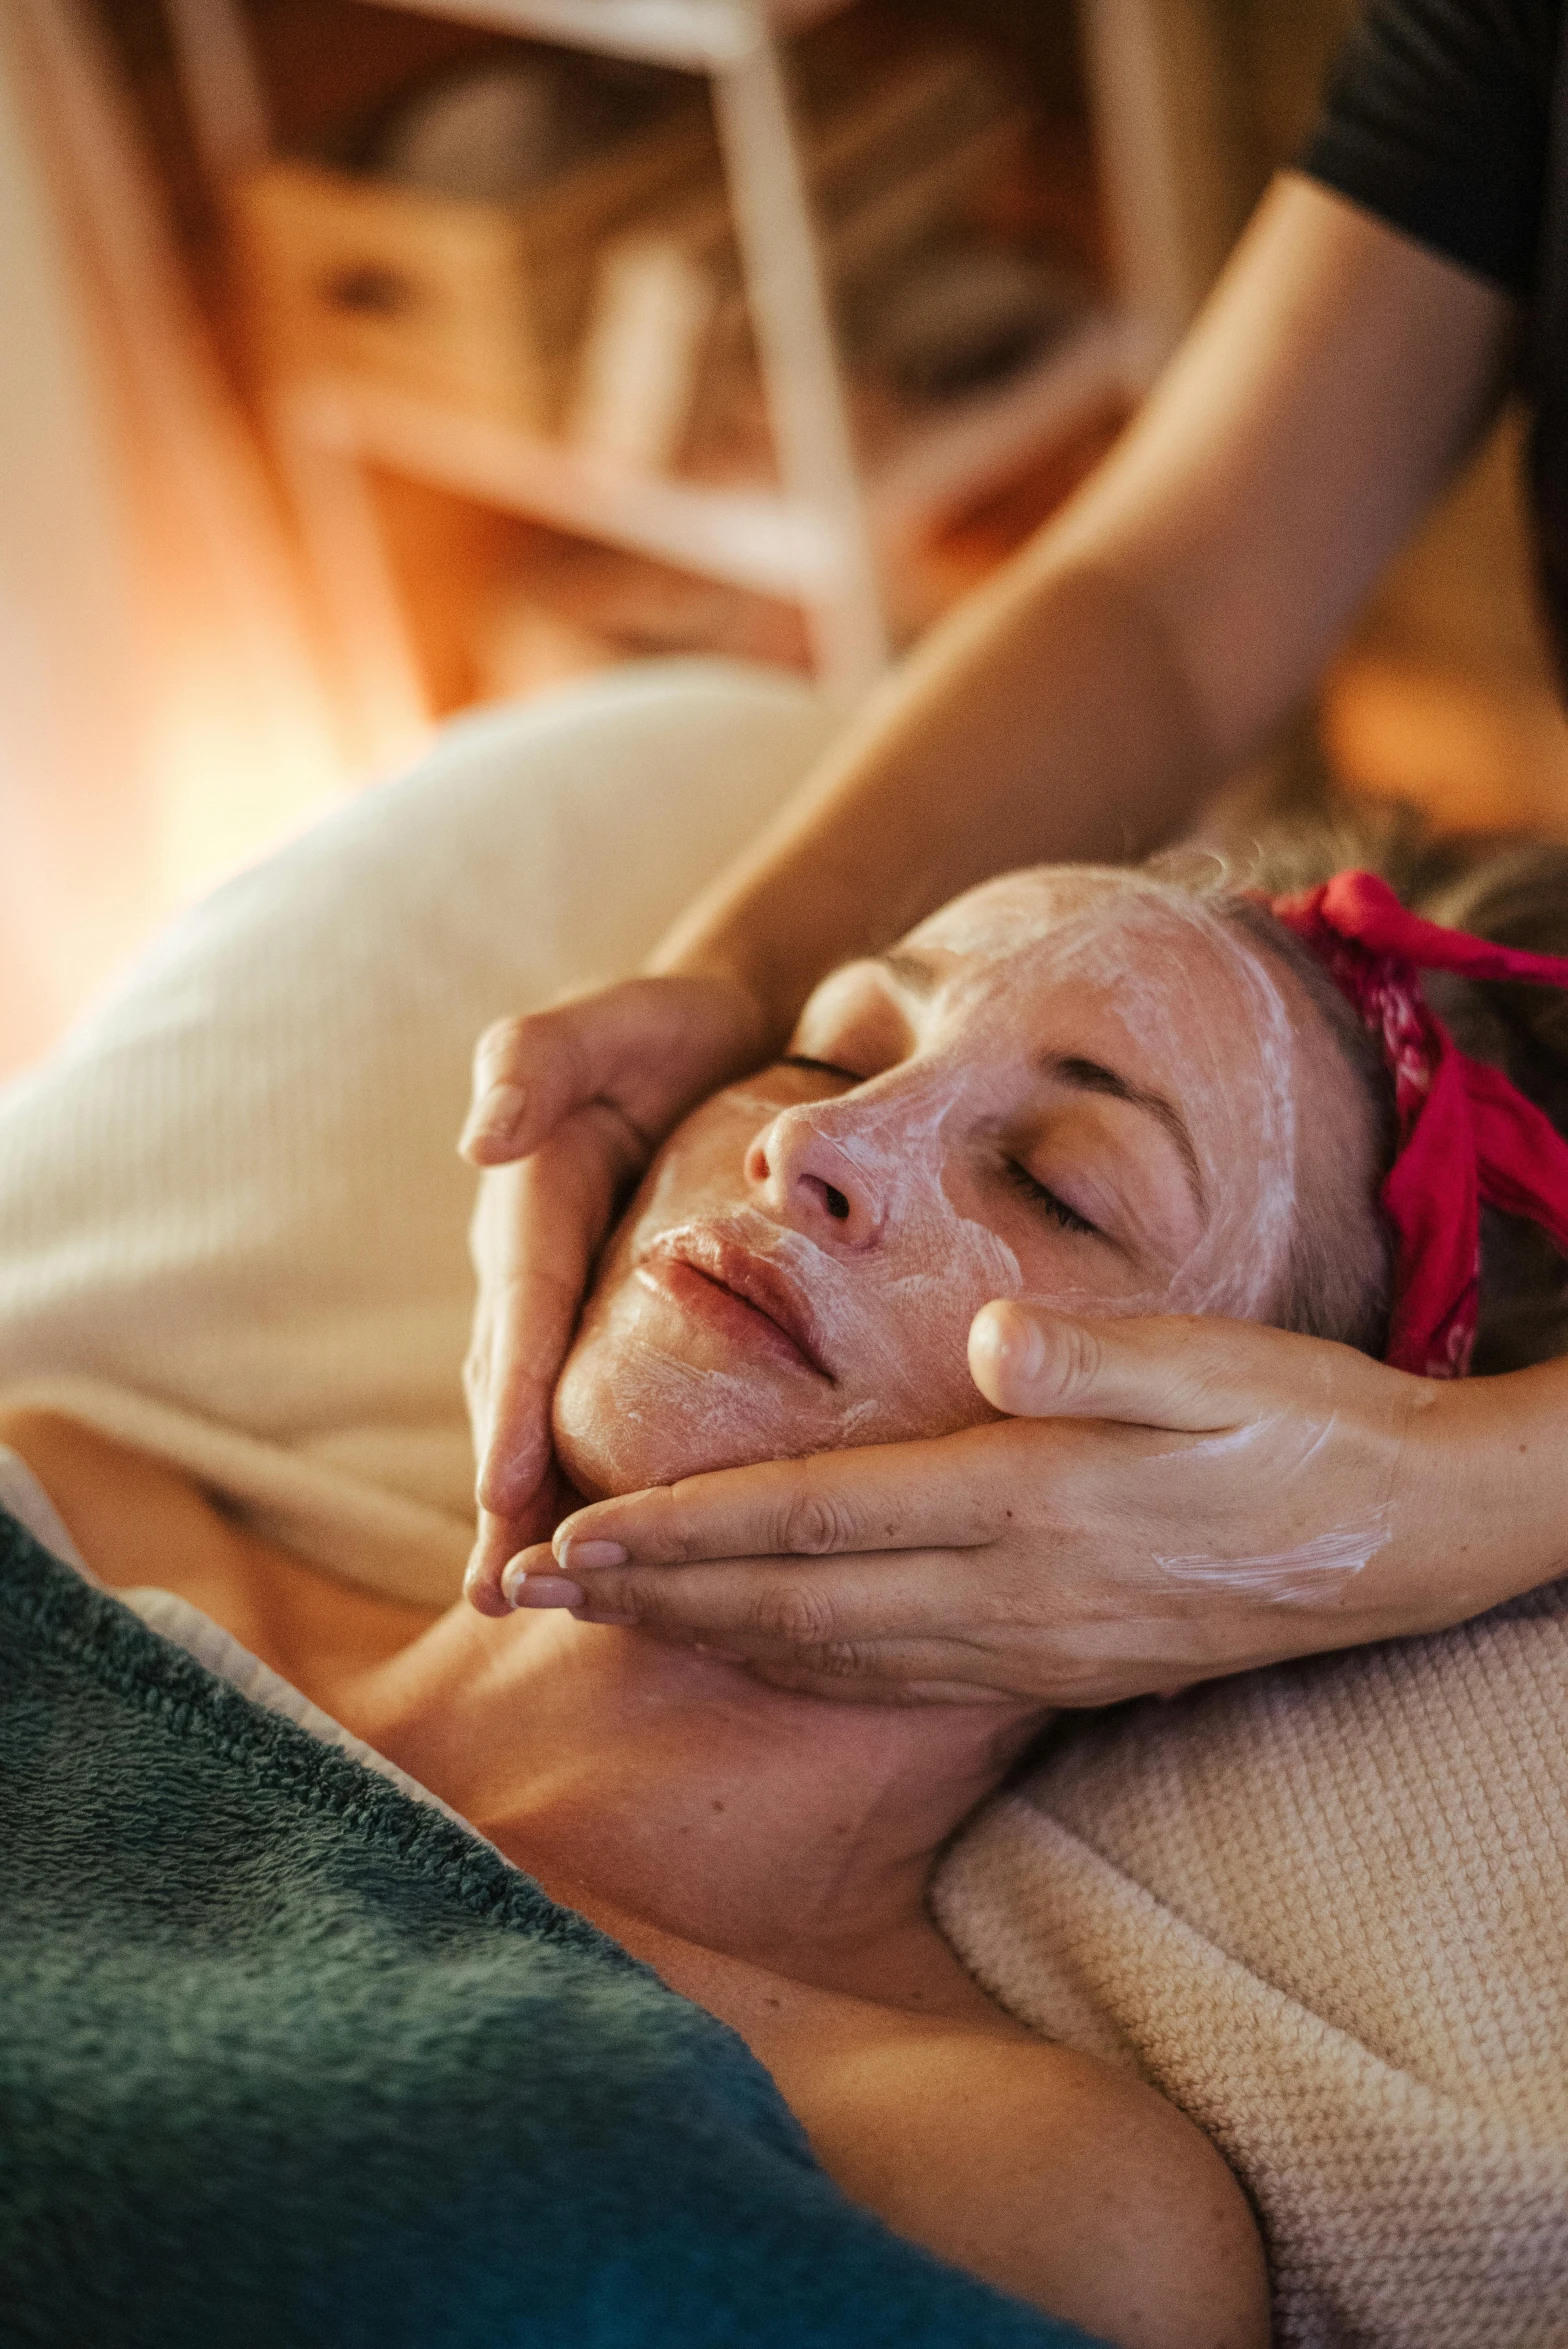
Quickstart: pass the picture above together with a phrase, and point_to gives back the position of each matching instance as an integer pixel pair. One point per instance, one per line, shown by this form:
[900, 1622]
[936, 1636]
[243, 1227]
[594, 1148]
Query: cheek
[627, 1415]
[699, 1171]
[900, 1332]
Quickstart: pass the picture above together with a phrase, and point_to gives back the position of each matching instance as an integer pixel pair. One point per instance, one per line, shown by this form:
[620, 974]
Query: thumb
[1167, 1370]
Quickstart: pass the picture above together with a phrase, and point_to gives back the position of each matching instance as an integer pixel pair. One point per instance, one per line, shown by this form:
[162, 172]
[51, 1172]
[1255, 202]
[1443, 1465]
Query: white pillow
[232, 1221]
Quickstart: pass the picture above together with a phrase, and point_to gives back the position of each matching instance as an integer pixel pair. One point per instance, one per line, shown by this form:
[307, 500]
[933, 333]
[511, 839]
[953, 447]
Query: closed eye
[823, 1068]
[1057, 1209]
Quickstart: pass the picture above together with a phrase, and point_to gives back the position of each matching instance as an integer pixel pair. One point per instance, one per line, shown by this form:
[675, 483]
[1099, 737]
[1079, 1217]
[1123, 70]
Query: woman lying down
[1101, 1088]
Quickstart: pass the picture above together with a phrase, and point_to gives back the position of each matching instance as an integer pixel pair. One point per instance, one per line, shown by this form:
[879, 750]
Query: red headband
[1465, 1133]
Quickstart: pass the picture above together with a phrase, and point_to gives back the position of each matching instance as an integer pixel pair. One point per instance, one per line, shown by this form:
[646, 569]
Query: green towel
[288, 2059]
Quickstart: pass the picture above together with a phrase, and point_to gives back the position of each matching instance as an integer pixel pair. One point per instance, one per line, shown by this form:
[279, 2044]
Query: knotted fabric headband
[1466, 1134]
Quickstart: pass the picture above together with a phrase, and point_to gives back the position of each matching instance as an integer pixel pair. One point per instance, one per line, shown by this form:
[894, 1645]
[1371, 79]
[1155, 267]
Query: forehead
[1108, 925]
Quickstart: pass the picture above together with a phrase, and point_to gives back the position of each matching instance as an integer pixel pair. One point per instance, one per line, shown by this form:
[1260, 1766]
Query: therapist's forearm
[1080, 704]
[1047, 720]
[1491, 1471]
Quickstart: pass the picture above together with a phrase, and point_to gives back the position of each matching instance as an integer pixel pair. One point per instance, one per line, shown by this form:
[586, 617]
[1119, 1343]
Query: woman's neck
[657, 1788]
[664, 1792]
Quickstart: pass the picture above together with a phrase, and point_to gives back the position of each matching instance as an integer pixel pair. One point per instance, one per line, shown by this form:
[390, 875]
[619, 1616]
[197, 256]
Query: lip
[724, 1265]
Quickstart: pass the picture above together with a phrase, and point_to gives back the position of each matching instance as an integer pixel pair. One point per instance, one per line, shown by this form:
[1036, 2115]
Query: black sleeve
[1436, 118]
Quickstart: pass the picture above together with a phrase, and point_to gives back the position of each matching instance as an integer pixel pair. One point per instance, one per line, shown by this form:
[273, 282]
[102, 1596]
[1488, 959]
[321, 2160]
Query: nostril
[837, 1204]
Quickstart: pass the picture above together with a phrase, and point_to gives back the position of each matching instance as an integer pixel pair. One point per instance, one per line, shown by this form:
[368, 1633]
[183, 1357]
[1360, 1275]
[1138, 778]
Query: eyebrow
[914, 972]
[1091, 1076]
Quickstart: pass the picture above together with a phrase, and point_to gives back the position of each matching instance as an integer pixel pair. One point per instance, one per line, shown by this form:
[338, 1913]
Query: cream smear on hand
[1310, 1575]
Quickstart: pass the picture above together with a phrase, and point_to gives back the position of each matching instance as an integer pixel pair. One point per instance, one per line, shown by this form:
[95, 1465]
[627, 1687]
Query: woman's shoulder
[1066, 2180]
[128, 1515]
[139, 1523]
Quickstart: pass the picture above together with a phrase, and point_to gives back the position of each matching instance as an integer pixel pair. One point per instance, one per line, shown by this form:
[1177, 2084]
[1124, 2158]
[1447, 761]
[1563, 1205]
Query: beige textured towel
[1325, 1909]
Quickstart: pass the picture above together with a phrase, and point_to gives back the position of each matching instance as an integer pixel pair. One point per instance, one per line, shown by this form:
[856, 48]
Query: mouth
[715, 1276]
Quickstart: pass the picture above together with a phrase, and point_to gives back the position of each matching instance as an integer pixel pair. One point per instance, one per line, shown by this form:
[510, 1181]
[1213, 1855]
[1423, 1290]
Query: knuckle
[1079, 1357]
[672, 1515]
[837, 1659]
[812, 1525]
[615, 1599]
[795, 1614]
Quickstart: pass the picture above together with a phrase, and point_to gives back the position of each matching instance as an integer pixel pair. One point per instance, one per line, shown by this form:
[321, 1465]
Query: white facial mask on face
[901, 1326]
[901, 1322]
[908, 1340]
[1120, 946]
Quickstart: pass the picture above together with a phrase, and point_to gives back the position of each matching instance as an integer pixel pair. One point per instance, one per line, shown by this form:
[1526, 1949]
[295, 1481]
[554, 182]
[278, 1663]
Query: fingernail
[579, 1555]
[1012, 1340]
[481, 1593]
[493, 1116]
[541, 1590]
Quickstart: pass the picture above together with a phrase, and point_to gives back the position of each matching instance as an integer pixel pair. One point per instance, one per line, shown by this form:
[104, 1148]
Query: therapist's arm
[1081, 702]
[1078, 706]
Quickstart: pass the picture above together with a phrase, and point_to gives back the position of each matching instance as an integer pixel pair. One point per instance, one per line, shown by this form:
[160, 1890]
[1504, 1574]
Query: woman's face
[1073, 1085]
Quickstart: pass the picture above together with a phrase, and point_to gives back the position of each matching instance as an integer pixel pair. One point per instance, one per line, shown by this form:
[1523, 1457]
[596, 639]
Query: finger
[532, 1073]
[778, 1606]
[1172, 1371]
[499, 1540]
[877, 1621]
[528, 1074]
[536, 1229]
[941, 1493]
[737, 1615]
[531, 1304]
[495, 1543]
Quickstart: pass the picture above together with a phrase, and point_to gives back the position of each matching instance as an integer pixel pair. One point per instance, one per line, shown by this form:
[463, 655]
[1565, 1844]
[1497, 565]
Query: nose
[808, 1182]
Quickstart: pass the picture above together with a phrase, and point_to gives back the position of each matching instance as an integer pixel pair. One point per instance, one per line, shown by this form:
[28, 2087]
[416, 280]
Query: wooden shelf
[838, 530]
[754, 538]
[696, 36]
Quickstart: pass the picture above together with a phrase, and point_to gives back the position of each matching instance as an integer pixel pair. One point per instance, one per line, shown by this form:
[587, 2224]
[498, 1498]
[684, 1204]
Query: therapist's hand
[569, 1106]
[1176, 1499]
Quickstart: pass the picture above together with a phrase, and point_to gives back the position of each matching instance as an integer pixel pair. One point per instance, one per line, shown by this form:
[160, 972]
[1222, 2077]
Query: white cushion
[232, 1221]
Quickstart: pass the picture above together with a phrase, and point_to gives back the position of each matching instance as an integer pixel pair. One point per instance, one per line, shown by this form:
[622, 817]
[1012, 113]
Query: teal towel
[287, 2059]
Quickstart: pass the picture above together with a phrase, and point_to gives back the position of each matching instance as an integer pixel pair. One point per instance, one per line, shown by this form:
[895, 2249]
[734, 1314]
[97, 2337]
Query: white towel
[233, 1225]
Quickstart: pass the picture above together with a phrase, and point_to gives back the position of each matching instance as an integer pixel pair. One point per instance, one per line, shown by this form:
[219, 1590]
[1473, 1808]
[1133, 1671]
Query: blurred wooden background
[175, 707]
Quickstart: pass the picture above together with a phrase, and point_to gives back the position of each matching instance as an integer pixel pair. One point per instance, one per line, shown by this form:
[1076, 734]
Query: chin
[621, 1428]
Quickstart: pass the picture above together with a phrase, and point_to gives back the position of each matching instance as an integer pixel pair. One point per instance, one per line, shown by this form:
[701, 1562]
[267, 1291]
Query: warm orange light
[1477, 755]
